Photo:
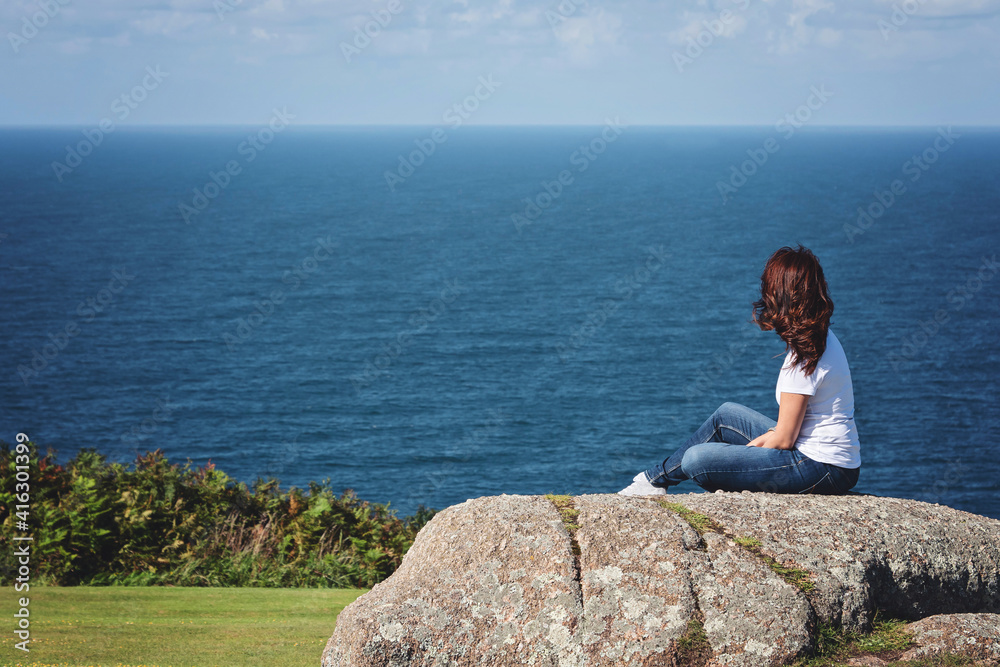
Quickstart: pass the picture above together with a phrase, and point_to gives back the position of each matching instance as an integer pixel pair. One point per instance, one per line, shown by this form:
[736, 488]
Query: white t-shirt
[828, 432]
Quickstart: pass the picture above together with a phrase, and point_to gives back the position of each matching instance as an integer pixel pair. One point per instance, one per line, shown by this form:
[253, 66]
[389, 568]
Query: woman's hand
[791, 411]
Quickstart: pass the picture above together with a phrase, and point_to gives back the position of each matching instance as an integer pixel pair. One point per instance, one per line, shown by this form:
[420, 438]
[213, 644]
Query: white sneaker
[640, 486]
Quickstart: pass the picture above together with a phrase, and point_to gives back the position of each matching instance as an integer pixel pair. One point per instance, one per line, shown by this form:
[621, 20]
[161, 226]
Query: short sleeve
[793, 380]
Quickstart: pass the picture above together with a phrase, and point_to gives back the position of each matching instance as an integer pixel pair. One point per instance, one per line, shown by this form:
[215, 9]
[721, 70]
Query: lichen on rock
[614, 580]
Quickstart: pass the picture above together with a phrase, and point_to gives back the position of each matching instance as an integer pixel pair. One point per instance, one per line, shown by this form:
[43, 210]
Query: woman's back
[828, 433]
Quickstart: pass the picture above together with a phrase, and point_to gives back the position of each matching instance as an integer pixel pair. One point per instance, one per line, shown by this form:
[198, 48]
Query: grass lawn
[119, 626]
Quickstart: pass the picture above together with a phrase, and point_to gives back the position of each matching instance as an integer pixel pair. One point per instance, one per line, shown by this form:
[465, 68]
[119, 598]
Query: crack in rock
[637, 590]
[908, 558]
[495, 581]
[568, 513]
[489, 581]
[752, 616]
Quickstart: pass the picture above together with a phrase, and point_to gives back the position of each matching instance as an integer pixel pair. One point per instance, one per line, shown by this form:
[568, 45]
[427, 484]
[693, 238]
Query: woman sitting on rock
[813, 447]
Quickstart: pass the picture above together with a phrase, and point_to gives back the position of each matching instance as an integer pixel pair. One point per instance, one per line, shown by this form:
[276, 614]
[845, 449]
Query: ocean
[426, 315]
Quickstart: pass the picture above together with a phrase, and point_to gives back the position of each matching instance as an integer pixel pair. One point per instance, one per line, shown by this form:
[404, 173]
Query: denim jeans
[716, 457]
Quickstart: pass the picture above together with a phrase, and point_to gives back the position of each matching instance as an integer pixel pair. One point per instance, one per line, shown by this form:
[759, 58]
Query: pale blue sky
[575, 62]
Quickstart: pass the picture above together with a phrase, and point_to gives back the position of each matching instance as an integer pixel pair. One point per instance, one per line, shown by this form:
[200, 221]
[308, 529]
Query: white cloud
[829, 37]
[260, 34]
[944, 8]
[121, 40]
[482, 15]
[583, 35]
[271, 6]
[697, 22]
[414, 41]
[796, 32]
[75, 46]
[168, 23]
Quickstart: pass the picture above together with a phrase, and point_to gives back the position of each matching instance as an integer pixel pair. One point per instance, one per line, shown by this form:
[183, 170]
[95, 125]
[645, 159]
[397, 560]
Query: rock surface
[507, 580]
[487, 582]
[974, 635]
[907, 558]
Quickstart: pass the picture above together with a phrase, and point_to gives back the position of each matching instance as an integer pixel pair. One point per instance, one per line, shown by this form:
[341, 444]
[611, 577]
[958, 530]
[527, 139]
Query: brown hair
[795, 302]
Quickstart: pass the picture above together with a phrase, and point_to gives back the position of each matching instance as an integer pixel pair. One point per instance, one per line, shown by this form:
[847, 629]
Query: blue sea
[506, 310]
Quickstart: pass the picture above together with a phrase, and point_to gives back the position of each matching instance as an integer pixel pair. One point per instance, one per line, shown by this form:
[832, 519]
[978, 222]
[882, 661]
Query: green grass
[886, 635]
[693, 637]
[119, 626]
[795, 576]
[701, 523]
[567, 512]
[945, 660]
[887, 640]
[693, 649]
[747, 542]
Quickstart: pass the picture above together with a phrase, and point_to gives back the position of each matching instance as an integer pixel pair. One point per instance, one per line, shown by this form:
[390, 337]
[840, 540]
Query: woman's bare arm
[791, 411]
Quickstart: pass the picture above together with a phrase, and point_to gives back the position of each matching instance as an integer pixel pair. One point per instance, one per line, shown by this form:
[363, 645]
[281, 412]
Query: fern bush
[158, 523]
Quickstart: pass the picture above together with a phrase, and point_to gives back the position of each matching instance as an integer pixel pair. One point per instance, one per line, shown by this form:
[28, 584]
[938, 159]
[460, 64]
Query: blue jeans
[716, 457]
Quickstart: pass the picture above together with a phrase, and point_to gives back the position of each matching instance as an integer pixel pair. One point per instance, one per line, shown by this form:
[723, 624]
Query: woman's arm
[791, 411]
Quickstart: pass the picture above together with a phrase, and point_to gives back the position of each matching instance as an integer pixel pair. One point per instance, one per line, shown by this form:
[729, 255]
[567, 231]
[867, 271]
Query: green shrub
[154, 522]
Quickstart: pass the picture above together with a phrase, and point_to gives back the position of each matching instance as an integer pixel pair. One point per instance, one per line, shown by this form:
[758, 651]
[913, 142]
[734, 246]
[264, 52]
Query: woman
[813, 447]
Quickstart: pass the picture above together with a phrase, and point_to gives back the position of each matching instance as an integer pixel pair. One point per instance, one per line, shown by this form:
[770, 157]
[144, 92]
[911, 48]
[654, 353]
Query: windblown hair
[795, 302]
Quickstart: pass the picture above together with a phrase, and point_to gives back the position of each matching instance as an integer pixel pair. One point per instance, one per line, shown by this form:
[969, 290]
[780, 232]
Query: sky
[503, 62]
